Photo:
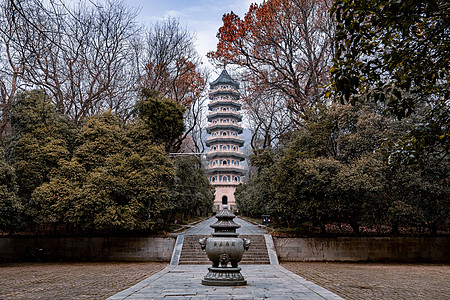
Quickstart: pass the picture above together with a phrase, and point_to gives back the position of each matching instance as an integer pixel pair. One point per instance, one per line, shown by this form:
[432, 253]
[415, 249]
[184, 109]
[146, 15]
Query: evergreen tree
[10, 207]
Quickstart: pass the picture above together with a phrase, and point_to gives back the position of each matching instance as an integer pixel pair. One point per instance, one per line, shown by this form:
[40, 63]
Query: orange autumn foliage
[282, 45]
[181, 81]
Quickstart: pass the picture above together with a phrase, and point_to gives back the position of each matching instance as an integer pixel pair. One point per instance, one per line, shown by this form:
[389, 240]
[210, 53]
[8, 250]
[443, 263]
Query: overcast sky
[202, 17]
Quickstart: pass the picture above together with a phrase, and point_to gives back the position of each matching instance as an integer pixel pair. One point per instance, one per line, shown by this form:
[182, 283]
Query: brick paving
[71, 280]
[378, 281]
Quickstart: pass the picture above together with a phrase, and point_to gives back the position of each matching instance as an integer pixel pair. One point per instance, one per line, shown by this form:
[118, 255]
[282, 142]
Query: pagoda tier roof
[224, 114]
[225, 153]
[224, 78]
[216, 103]
[226, 170]
[214, 127]
[224, 91]
[224, 139]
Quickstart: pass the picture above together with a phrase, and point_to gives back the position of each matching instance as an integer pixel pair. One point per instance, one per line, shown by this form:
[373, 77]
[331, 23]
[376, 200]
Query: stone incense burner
[224, 248]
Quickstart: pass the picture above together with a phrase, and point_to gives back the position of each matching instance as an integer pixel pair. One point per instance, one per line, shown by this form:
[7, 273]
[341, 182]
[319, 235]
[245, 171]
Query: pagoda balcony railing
[224, 139]
[215, 183]
[224, 126]
[225, 114]
[218, 102]
[223, 90]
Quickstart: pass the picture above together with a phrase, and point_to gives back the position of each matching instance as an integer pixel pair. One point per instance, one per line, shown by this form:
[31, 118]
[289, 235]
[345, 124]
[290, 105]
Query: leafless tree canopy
[269, 118]
[283, 47]
[93, 56]
[172, 66]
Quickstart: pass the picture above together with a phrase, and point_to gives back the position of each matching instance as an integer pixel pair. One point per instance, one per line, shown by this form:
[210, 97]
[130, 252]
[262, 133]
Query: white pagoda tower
[224, 157]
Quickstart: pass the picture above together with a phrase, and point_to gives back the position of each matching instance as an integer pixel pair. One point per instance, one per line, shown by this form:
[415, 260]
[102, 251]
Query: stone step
[195, 262]
[195, 250]
[192, 253]
[244, 257]
[194, 246]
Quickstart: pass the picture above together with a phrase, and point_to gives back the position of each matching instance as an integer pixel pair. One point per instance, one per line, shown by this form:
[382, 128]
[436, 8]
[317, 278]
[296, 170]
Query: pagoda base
[224, 277]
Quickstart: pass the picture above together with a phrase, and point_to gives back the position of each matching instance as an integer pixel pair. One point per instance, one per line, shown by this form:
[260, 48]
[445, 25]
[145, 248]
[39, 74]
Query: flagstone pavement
[263, 281]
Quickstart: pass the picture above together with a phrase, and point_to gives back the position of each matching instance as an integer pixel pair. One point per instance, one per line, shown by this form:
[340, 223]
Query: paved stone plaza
[358, 281]
[263, 281]
[103, 280]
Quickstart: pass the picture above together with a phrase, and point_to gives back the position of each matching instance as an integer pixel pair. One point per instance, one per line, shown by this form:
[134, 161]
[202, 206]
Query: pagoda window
[213, 179]
[224, 163]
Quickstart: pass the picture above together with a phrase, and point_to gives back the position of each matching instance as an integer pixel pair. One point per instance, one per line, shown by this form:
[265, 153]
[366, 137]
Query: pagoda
[224, 126]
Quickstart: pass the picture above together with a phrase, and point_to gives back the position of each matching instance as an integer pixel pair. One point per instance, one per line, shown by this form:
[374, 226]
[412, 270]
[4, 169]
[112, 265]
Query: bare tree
[90, 68]
[284, 46]
[172, 66]
[12, 63]
[90, 57]
[269, 118]
[79, 55]
[195, 120]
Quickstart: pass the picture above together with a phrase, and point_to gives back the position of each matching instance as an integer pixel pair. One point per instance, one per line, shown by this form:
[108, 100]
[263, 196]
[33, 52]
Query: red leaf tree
[283, 46]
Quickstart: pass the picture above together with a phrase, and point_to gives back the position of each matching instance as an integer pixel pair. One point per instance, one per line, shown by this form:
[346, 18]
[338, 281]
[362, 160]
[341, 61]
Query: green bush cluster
[348, 165]
[105, 175]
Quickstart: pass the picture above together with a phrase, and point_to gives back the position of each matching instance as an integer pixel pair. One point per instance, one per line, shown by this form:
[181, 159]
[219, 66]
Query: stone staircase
[191, 253]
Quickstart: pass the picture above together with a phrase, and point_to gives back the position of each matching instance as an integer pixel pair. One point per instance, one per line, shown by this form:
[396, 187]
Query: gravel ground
[378, 281]
[71, 280]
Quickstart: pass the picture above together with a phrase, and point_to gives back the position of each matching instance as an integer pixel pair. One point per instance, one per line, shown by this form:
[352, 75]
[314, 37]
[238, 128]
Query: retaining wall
[400, 249]
[89, 248]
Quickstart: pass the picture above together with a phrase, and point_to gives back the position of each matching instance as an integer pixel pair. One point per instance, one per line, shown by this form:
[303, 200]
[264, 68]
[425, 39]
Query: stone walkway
[245, 229]
[263, 281]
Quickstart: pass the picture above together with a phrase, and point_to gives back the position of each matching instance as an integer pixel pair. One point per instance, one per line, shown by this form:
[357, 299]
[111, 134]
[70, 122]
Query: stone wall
[89, 248]
[400, 249]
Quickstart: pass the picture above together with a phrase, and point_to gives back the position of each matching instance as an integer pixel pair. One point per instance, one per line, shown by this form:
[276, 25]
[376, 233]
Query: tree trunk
[395, 228]
[355, 227]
